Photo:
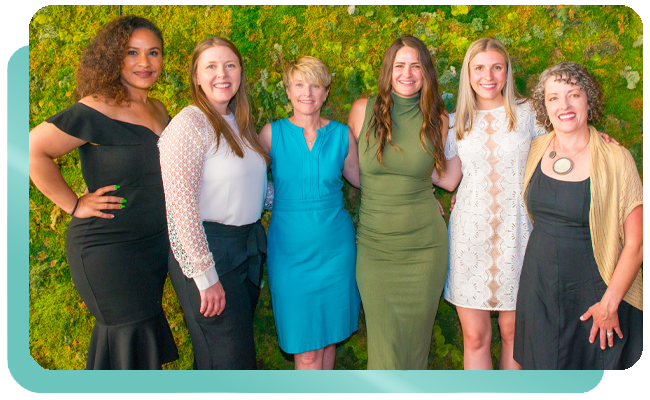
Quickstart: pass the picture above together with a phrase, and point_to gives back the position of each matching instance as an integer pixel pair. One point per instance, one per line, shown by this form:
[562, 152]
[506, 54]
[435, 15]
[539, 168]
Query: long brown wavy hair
[100, 66]
[431, 104]
[238, 105]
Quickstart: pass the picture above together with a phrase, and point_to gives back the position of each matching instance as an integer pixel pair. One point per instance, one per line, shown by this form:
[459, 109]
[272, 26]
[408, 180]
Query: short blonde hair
[311, 69]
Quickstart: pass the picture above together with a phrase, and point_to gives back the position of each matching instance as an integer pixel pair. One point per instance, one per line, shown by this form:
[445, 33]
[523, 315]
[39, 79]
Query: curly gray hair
[573, 74]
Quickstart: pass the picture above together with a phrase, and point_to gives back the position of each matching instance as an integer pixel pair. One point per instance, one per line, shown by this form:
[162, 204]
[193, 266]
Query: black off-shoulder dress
[119, 265]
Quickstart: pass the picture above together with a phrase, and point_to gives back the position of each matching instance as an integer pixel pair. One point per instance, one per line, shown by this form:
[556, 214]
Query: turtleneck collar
[405, 101]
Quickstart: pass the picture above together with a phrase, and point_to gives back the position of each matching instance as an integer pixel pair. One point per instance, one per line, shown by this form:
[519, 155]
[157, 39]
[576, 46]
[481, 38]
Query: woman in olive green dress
[401, 237]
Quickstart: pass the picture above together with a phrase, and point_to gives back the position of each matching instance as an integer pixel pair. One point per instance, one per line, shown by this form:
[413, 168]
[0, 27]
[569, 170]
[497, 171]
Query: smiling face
[306, 98]
[407, 74]
[218, 73]
[142, 60]
[566, 106]
[487, 76]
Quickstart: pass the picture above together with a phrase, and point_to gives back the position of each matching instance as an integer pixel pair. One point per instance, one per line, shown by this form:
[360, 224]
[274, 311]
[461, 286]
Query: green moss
[606, 39]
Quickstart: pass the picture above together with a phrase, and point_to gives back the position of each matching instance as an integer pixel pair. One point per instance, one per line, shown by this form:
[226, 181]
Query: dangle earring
[590, 115]
[165, 74]
[547, 122]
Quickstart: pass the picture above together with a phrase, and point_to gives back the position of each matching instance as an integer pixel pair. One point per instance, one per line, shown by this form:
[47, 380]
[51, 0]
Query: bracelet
[75, 206]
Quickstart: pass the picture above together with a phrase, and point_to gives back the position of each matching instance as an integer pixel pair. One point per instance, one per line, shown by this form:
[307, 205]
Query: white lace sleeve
[529, 113]
[450, 147]
[183, 145]
[538, 130]
[270, 193]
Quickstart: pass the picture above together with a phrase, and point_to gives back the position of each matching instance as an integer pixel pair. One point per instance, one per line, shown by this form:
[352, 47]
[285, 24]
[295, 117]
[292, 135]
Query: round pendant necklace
[564, 165]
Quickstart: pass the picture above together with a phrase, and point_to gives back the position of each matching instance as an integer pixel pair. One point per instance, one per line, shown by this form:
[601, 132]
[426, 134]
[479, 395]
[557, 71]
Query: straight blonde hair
[238, 105]
[466, 106]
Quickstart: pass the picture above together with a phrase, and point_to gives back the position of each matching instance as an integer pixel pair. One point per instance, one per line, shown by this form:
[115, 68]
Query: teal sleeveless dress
[402, 246]
[311, 240]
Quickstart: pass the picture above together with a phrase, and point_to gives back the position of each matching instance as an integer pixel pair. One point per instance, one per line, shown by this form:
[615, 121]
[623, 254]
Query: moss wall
[351, 40]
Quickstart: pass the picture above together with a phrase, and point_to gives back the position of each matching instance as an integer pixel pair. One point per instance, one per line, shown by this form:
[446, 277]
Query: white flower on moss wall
[351, 9]
[632, 77]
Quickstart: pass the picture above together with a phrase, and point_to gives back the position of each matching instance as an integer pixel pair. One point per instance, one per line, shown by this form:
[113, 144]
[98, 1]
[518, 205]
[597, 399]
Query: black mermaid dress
[119, 265]
[560, 281]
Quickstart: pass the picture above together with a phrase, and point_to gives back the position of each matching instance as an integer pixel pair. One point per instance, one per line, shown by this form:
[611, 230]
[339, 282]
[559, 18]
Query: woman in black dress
[580, 296]
[117, 242]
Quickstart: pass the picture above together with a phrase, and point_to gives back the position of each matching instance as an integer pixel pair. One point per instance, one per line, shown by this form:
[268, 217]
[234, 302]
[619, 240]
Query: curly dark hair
[573, 74]
[100, 65]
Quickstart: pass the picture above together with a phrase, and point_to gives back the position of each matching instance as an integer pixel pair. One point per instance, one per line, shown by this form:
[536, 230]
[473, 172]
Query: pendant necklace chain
[564, 165]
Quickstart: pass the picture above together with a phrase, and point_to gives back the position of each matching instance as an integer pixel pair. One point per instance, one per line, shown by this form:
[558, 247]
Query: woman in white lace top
[490, 132]
[214, 176]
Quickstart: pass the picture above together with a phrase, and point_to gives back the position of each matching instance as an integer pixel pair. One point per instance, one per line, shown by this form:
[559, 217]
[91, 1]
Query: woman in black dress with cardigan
[117, 241]
[580, 297]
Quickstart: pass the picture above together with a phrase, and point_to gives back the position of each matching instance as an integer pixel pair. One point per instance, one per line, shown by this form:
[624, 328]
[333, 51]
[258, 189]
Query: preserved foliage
[351, 40]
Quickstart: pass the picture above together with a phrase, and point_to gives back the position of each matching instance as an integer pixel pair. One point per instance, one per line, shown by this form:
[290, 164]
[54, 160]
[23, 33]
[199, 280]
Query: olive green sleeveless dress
[401, 243]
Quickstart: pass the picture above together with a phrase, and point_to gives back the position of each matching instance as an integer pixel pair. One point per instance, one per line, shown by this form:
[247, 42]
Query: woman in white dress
[490, 132]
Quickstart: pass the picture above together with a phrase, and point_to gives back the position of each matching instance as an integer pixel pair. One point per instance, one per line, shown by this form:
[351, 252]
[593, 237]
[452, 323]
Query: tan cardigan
[616, 190]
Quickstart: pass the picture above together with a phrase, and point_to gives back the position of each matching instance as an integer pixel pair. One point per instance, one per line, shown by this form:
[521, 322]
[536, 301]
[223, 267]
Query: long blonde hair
[238, 105]
[431, 104]
[466, 106]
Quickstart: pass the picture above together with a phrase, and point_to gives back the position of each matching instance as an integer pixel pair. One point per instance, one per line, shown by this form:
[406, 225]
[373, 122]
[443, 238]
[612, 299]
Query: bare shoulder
[356, 116]
[265, 137]
[98, 103]
[359, 107]
[266, 130]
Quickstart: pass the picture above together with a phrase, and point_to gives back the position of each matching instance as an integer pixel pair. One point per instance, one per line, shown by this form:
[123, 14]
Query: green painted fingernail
[122, 206]
[117, 186]
[123, 200]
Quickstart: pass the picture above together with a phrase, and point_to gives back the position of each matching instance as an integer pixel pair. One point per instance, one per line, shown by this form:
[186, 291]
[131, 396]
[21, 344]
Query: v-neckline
[304, 140]
[119, 120]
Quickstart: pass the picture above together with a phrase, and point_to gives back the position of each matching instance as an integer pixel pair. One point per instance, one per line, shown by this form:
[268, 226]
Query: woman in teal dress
[401, 237]
[311, 239]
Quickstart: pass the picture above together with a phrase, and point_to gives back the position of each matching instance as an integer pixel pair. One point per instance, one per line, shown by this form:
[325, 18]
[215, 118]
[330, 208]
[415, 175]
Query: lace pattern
[182, 146]
[489, 227]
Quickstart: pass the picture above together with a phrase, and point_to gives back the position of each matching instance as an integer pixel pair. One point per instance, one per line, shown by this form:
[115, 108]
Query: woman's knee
[507, 327]
[477, 338]
[310, 357]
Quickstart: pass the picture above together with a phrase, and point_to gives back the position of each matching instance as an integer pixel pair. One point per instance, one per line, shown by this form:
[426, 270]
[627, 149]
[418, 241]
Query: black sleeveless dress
[119, 265]
[560, 281]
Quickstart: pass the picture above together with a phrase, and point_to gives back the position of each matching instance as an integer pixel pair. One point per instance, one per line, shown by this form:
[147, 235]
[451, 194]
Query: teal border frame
[31, 376]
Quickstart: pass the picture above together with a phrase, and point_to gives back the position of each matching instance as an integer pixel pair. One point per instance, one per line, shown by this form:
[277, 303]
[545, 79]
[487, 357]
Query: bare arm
[351, 165]
[265, 137]
[451, 177]
[47, 142]
[605, 312]
[453, 172]
[356, 116]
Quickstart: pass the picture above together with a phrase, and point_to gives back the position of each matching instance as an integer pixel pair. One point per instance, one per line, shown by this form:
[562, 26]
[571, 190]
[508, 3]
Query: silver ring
[610, 334]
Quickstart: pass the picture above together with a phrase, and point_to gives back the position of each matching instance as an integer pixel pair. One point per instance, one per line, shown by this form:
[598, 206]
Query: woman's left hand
[605, 320]
[608, 138]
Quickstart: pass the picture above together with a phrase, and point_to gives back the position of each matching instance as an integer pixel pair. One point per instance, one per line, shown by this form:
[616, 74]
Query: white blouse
[203, 183]
[489, 227]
